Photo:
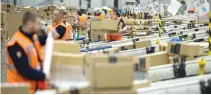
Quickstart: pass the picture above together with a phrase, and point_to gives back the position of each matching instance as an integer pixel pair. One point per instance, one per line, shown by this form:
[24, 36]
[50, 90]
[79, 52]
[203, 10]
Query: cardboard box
[97, 35]
[15, 88]
[163, 47]
[67, 67]
[93, 58]
[81, 90]
[138, 44]
[14, 22]
[178, 58]
[66, 47]
[4, 7]
[111, 75]
[143, 43]
[4, 18]
[104, 24]
[109, 24]
[141, 84]
[186, 49]
[67, 58]
[150, 60]
[96, 24]
[7, 7]
[114, 91]
[131, 90]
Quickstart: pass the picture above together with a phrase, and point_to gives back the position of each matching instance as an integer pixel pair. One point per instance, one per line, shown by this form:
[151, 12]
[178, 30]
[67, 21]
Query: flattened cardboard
[66, 47]
[108, 75]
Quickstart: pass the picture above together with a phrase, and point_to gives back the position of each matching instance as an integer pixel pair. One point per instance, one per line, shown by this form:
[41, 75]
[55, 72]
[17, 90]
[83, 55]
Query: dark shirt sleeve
[61, 31]
[22, 64]
[123, 23]
[42, 39]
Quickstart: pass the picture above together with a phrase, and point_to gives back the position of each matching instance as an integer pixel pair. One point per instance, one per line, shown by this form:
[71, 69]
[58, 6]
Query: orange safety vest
[67, 32]
[82, 20]
[33, 52]
[69, 29]
[114, 36]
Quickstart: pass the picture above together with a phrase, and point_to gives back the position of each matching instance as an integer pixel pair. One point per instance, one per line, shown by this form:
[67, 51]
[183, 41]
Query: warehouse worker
[99, 15]
[24, 54]
[59, 26]
[117, 35]
[81, 19]
[68, 27]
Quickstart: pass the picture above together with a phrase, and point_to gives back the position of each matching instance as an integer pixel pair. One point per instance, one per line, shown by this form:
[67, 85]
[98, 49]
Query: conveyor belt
[191, 68]
[195, 85]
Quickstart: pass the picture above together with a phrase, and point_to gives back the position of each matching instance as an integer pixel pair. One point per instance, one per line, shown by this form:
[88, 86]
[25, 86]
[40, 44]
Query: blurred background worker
[81, 19]
[68, 27]
[116, 36]
[99, 14]
[59, 25]
[24, 54]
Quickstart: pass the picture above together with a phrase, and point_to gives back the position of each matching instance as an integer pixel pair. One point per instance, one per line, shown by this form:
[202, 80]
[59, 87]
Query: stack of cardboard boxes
[99, 27]
[8, 7]
[46, 12]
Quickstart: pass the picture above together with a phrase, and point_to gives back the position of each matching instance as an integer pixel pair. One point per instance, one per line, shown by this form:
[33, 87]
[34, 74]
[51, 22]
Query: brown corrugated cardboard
[14, 21]
[141, 84]
[96, 24]
[4, 7]
[178, 58]
[93, 58]
[149, 60]
[67, 58]
[111, 75]
[15, 88]
[114, 91]
[143, 43]
[186, 49]
[163, 46]
[4, 18]
[138, 44]
[109, 24]
[66, 47]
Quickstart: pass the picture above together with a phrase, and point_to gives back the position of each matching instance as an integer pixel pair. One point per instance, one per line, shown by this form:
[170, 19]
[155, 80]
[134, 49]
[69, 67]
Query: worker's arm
[22, 65]
[61, 31]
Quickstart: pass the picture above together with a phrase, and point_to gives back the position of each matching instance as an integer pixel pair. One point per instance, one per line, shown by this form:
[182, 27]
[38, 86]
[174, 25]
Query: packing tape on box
[175, 48]
[141, 65]
[179, 69]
